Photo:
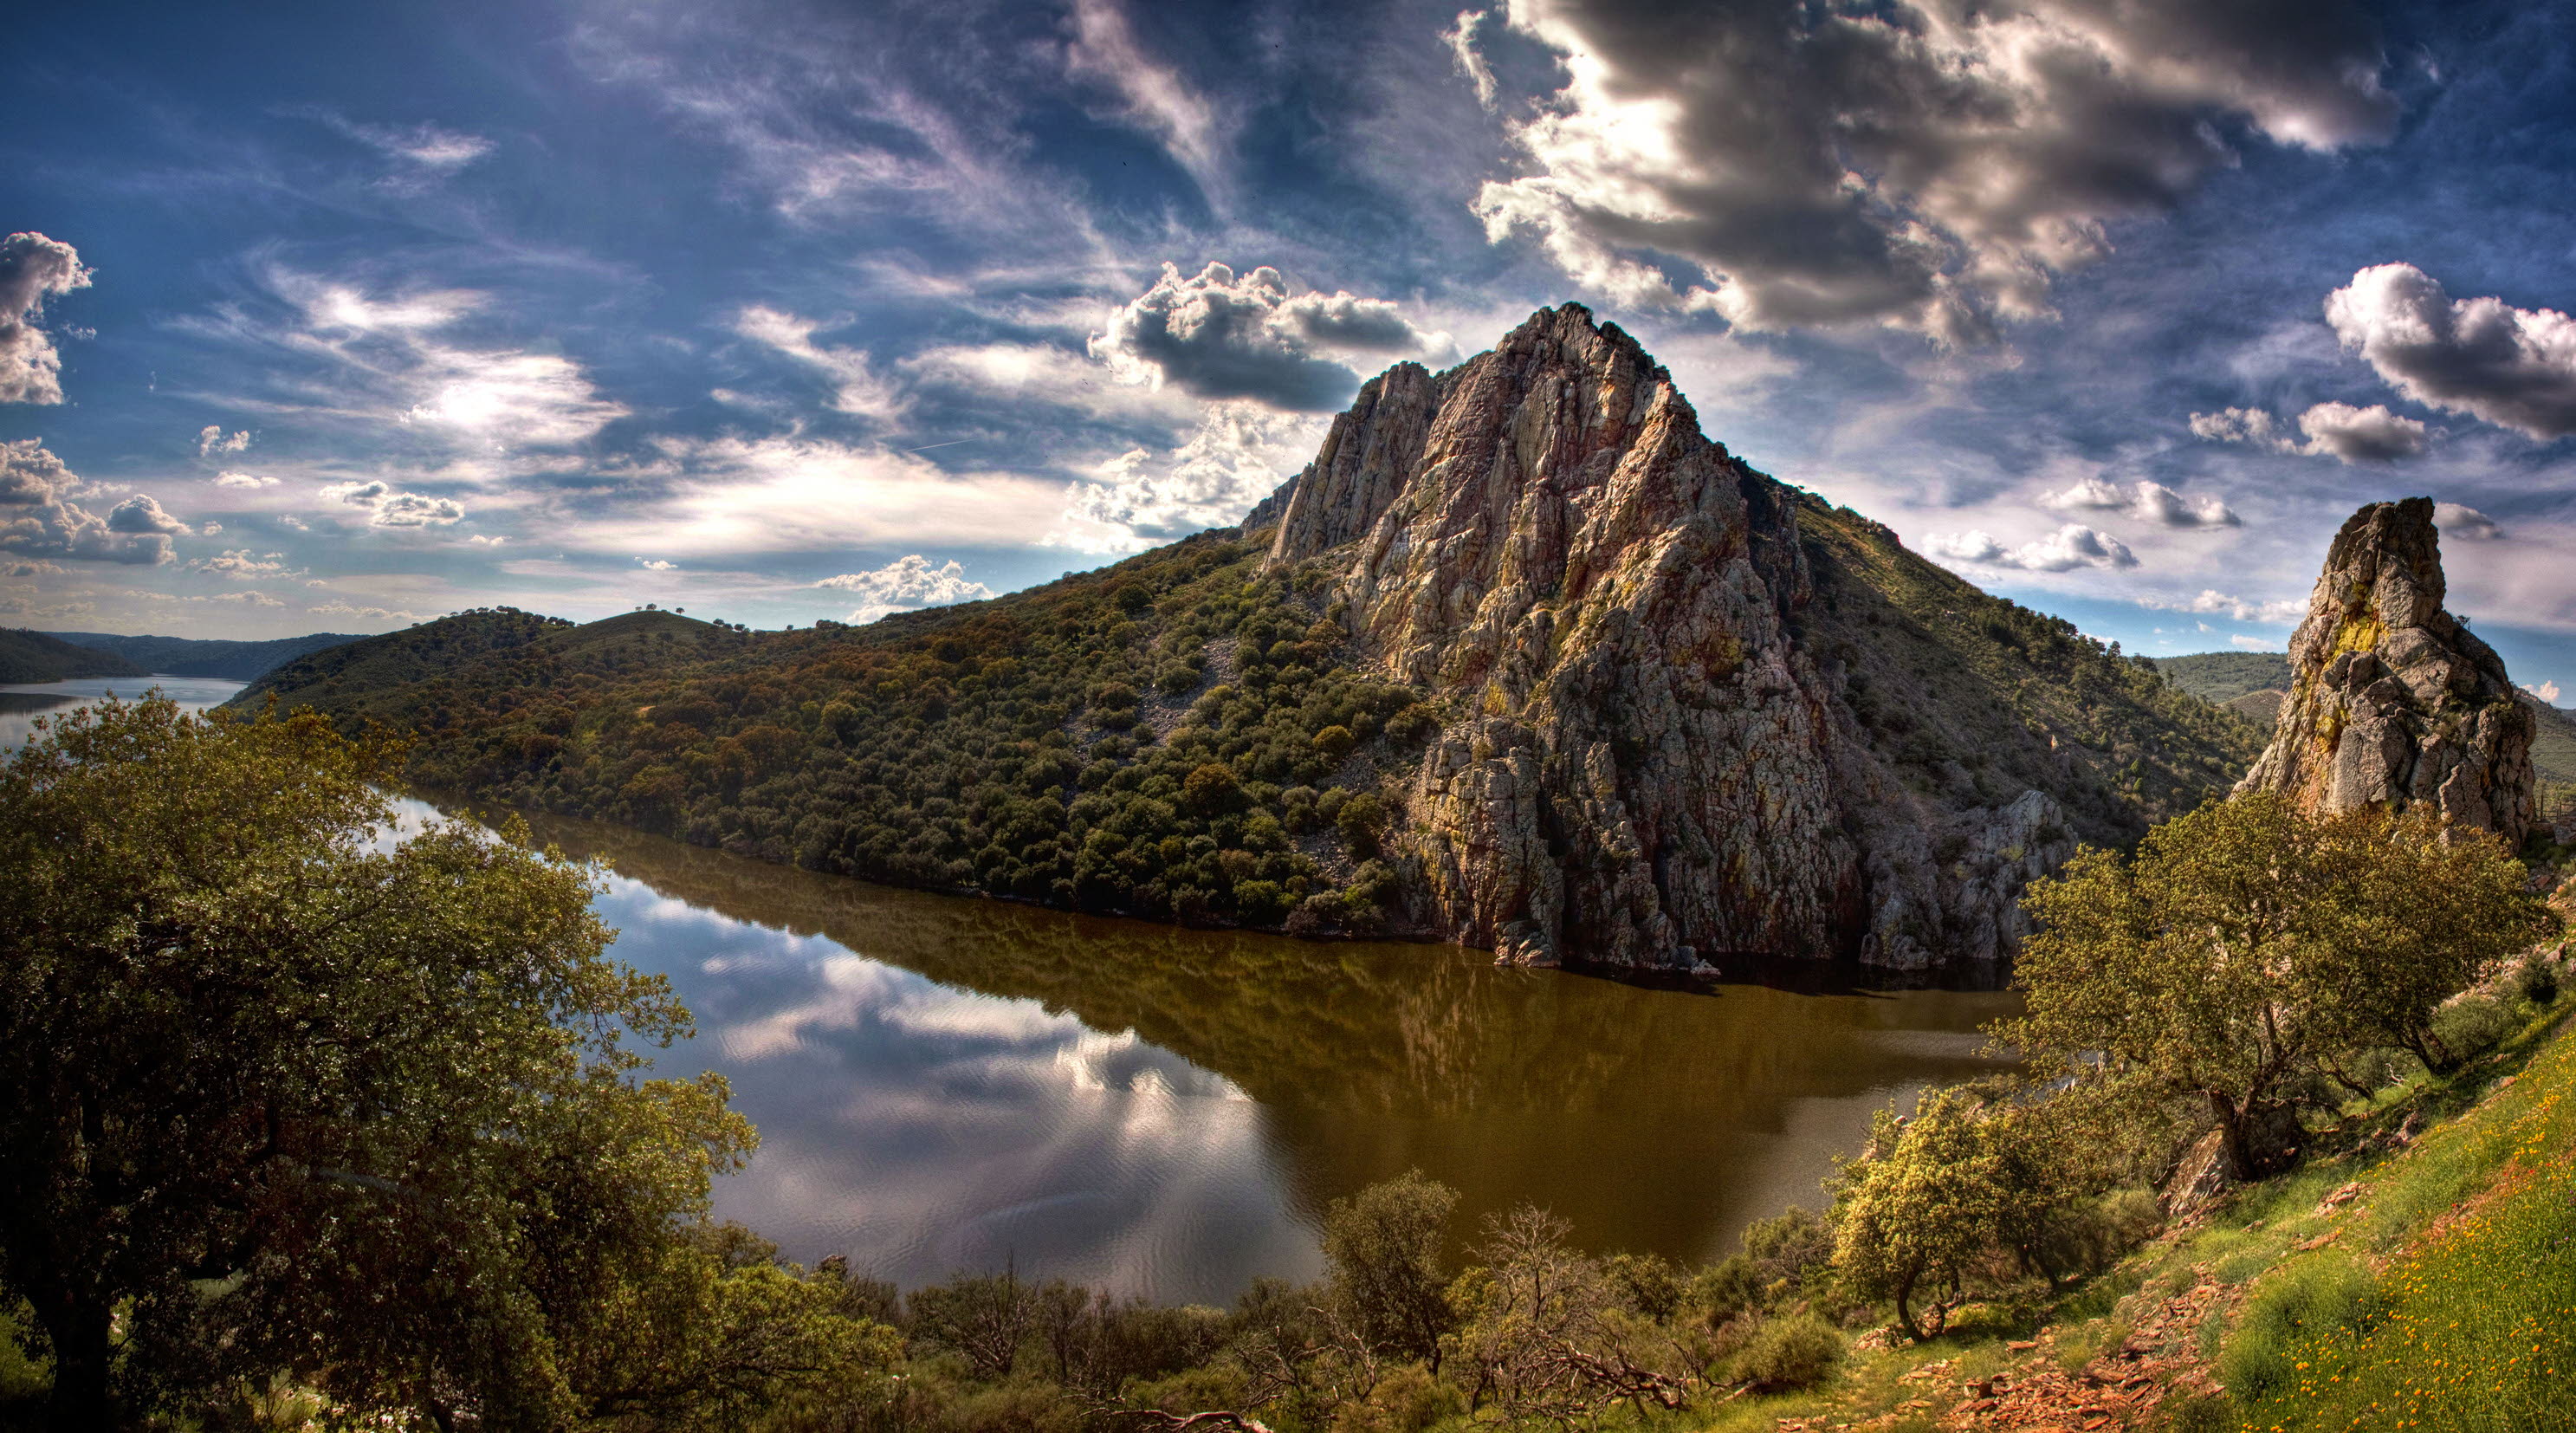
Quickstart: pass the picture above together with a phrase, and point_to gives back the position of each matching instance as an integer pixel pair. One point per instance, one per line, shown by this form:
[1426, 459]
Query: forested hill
[205, 657]
[1180, 735]
[36, 657]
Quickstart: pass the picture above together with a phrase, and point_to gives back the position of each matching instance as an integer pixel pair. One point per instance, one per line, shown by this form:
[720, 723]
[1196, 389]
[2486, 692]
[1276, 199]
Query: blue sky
[336, 317]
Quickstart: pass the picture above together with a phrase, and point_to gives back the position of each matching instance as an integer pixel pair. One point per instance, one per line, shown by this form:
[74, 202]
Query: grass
[2455, 1306]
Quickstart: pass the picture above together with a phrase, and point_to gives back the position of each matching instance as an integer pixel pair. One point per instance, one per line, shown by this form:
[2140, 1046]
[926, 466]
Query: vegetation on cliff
[237, 660]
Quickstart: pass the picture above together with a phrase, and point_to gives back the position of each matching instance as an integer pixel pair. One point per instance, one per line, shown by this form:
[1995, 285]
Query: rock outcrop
[2392, 700]
[1642, 766]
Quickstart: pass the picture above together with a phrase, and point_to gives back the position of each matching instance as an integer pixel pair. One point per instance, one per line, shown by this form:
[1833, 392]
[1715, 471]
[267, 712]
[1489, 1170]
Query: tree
[1932, 1197]
[283, 1095]
[2249, 946]
[1388, 1278]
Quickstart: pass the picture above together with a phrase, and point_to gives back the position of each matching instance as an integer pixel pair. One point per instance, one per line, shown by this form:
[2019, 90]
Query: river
[945, 1084]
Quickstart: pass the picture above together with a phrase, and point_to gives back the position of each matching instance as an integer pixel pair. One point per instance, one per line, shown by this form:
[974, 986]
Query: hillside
[201, 657]
[38, 657]
[1239, 729]
[2220, 677]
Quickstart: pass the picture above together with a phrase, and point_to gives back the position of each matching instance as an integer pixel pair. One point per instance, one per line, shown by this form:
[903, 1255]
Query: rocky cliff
[2392, 700]
[1644, 762]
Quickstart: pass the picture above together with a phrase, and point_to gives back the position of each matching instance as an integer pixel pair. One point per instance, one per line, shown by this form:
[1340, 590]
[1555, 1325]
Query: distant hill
[40, 657]
[2220, 677]
[195, 657]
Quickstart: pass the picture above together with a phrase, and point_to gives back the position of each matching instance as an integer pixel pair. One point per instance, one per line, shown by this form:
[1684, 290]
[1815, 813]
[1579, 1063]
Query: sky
[334, 317]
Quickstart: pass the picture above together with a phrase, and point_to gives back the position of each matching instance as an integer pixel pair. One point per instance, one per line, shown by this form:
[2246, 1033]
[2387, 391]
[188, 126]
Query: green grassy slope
[36, 657]
[200, 657]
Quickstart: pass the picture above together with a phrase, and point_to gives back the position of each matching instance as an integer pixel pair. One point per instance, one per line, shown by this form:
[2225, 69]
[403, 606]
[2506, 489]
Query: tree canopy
[2250, 947]
[284, 1094]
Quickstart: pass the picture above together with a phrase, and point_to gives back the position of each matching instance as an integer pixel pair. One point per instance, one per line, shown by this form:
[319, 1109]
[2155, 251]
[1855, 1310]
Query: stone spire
[2392, 700]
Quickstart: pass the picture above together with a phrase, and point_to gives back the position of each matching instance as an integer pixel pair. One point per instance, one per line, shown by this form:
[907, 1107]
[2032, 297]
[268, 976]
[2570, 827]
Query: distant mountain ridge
[240, 661]
[1521, 660]
[42, 657]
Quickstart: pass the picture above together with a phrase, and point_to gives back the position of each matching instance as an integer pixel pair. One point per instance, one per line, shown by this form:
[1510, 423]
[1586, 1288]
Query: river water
[945, 1084]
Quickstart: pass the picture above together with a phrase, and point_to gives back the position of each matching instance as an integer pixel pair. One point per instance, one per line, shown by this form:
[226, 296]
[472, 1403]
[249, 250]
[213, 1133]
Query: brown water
[946, 1083]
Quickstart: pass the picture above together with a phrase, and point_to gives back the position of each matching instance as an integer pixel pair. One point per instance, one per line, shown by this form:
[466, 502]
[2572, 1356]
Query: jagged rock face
[1646, 769]
[2392, 701]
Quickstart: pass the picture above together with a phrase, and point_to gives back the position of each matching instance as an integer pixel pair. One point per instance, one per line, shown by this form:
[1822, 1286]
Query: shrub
[1405, 1401]
[2472, 1025]
[1799, 1351]
[1789, 1246]
[1724, 1289]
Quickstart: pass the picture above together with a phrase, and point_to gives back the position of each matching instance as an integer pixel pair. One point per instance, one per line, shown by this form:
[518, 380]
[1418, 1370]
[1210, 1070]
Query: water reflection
[22, 703]
[945, 1083]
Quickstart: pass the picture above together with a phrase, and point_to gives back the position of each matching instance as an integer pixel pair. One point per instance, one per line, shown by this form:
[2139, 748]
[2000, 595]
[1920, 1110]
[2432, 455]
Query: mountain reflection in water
[945, 1083]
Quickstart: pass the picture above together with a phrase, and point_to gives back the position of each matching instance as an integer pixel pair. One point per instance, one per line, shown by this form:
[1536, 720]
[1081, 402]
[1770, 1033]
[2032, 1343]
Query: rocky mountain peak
[2393, 701]
[1640, 763]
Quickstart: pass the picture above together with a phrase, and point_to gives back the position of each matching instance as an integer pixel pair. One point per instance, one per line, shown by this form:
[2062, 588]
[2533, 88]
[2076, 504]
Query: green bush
[1799, 1351]
[2473, 1024]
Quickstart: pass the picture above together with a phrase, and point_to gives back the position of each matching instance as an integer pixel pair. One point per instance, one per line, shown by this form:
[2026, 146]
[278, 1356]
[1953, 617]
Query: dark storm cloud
[1214, 335]
[33, 268]
[1931, 164]
[39, 519]
[2515, 368]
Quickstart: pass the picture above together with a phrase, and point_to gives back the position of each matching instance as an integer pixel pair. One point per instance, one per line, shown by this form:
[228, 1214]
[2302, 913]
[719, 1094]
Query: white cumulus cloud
[33, 268]
[2333, 430]
[1216, 335]
[211, 440]
[2070, 547]
[229, 479]
[2465, 522]
[906, 584]
[2146, 500]
[2513, 367]
[38, 517]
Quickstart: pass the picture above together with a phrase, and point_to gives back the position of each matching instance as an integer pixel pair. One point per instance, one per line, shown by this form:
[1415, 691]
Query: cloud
[211, 440]
[2334, 430]
[2465, 522]
[33, 268]
[1920, 163]
[39, 519]
[378, 614]
[1214, 335]
[480, 540]
[28, 569]
[1239, 453]
[368, 359]
[857, 387]
[734, 494]
[229, 479]
[241, 565]
[1461, 38]
[655, 564]
[2515, 368]
[426, 146]
[2361, 435]
[2147, 501]
[2213, 601]
[1154, 96]
[2071, 546]
[387, 508]
[906, 584]
[2254, 644]
[2546, 691]
[248, 598]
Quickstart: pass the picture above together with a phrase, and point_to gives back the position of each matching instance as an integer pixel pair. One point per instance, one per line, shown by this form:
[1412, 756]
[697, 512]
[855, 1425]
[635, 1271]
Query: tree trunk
[82, 1332]
[1904, 1309]
[2234, 1137]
